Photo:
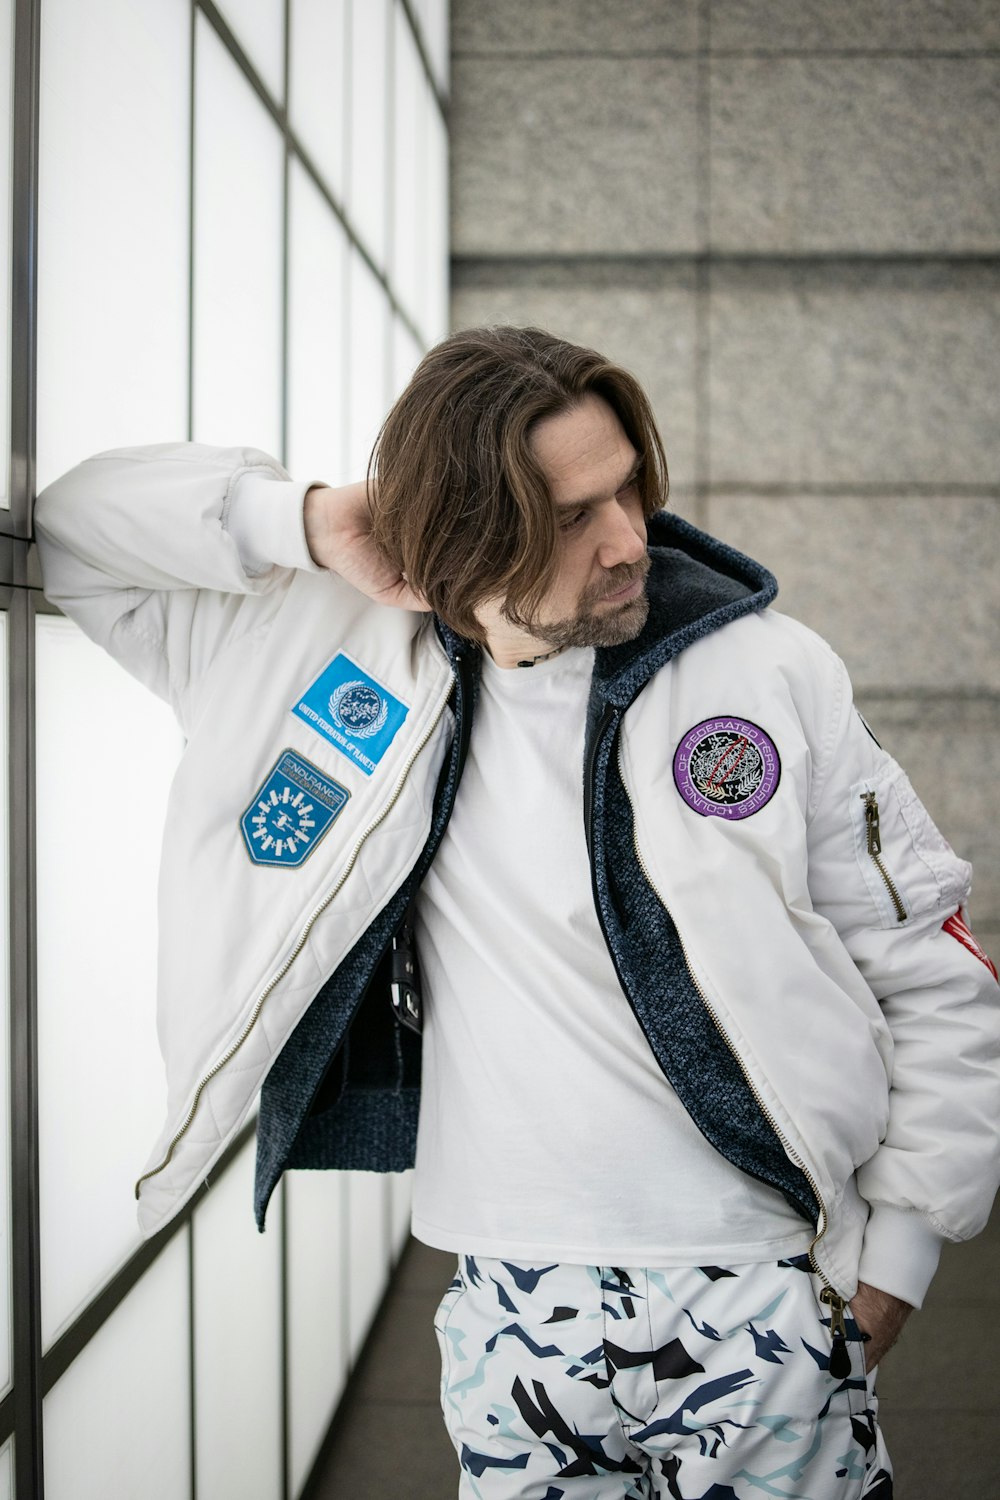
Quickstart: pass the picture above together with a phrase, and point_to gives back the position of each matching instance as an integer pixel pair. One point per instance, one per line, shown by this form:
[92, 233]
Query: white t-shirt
[547, 1128]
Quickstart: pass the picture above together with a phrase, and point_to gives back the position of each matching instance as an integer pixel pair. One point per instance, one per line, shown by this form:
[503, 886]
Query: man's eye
[573, 521]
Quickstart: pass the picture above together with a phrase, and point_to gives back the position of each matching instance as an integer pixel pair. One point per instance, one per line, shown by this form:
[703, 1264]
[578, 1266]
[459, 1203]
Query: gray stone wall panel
[521, 26]
[877, 579]
[951, 752]
[854, 375]
[844, 25]
[644, 319]
[855, 154]
[573, 155]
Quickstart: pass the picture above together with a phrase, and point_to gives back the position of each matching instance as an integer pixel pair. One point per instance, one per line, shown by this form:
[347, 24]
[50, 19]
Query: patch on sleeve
[867, 727]
[290, 812]
[958, 930]
[358, 716]
[727, 768]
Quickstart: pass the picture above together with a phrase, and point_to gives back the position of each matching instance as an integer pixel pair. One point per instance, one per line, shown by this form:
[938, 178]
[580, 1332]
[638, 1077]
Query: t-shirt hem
[653, 1253]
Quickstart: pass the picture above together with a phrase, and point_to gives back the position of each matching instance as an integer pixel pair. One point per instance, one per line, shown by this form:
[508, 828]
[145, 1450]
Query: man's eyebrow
[595, 499]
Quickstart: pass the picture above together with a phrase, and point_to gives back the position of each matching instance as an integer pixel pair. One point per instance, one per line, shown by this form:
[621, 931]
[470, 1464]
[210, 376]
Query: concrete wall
[784, 215]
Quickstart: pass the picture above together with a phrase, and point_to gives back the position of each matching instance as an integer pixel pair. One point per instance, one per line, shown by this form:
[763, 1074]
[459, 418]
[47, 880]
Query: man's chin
[623, 625]
[612, 626]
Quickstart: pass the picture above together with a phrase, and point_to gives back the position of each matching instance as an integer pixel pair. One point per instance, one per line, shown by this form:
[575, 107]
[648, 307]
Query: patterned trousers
[632, 1383]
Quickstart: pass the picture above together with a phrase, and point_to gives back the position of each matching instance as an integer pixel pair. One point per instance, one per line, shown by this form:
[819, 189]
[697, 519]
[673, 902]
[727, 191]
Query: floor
[939, 1390]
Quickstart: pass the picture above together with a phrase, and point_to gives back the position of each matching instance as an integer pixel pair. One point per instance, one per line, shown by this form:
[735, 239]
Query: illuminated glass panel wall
[239, 216]
[106, 750]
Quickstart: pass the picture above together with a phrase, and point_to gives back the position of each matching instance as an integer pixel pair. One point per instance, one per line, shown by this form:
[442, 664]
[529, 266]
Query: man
[709, 1049]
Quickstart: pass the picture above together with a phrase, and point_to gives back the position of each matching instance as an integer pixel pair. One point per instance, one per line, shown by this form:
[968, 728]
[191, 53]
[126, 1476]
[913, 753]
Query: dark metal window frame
[35, 1373]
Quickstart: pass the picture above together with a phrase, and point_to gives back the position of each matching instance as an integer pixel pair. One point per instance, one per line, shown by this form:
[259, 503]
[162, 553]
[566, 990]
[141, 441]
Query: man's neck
[516, 648]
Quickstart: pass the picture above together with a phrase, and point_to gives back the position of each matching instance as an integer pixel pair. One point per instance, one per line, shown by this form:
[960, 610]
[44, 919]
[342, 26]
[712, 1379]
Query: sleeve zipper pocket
[873, 844]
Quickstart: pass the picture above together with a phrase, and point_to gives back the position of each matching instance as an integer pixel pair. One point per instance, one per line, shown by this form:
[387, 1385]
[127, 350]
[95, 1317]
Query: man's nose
[624, 536]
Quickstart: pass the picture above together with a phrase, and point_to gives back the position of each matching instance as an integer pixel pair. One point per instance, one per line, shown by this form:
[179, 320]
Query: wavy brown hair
[460, 503]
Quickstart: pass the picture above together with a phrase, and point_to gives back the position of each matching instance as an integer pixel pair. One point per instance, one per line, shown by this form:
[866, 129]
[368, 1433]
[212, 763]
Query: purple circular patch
[727, 768]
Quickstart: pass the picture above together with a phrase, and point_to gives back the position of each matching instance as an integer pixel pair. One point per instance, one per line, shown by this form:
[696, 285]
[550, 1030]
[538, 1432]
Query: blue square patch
[353, 711]
[290, 812]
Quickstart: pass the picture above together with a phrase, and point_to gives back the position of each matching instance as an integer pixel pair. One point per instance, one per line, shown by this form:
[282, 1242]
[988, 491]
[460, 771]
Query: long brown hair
[460, 504]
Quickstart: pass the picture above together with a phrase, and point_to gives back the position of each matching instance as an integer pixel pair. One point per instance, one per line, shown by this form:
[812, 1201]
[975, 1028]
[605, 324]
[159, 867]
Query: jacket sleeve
[164, 555]
[898, 896]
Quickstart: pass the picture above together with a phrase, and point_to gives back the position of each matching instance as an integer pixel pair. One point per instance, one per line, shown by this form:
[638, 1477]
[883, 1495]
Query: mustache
[625, 573]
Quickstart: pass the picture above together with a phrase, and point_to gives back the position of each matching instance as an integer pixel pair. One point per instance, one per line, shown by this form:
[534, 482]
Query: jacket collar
[696, 585]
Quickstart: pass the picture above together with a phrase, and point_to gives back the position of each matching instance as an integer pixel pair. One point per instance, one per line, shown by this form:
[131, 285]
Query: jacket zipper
[404, 988]
[840, 1364]
[276, 978]
[790, 1151]
[874, 844]
[839, 1358]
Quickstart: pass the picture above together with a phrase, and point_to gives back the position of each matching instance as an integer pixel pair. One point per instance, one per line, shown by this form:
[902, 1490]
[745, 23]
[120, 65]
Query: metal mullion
[7, 1404]
[285, 241]
[23, 267]
[192, 79]
[286, 1384]
[284, 1415]
[389, 199]
[26, 1239]
[440, 98]
[192, 1366]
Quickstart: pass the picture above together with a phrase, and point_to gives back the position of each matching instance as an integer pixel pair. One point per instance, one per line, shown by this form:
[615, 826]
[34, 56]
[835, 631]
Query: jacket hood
[696, 585]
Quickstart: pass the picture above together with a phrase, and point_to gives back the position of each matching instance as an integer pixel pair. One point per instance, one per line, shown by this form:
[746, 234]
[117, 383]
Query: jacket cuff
[900, 1253]
[264, 519]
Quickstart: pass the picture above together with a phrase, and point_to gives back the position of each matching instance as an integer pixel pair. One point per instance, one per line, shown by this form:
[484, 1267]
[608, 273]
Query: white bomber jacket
[785, 919]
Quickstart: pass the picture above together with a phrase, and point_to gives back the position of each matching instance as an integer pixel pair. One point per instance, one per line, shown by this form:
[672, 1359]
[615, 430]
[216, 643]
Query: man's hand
[338, 533]
[880, 1315]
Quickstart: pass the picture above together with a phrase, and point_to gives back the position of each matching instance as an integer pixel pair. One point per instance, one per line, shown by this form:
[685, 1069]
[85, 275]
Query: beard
[596, 623]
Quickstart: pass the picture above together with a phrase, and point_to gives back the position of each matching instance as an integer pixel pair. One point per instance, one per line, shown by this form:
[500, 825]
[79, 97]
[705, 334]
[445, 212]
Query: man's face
[598, 593]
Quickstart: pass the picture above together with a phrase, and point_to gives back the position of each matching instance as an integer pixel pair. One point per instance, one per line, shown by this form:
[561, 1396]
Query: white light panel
[237, 1320]
[400, 1203]
[259, 28]
[112, 228]
[368, 1255]
[367, 349]
[105, 753]
[408, 268]
[317, 332]
[406, 355]
[319, 93]
[317, 1300]
[5, 1203]
[434, 324]
[239, 158]
[117, 1423]
[369, 133]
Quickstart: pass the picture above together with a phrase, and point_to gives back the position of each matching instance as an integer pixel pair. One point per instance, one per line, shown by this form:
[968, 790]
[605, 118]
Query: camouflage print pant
[626, 1383]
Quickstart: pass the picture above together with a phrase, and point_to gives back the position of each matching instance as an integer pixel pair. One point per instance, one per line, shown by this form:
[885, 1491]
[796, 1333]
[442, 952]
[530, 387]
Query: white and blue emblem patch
[291, 812]
[353, 711]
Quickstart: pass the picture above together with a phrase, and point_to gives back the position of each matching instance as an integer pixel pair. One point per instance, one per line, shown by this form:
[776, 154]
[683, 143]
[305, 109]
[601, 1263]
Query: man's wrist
[316, 523]
[264, 519]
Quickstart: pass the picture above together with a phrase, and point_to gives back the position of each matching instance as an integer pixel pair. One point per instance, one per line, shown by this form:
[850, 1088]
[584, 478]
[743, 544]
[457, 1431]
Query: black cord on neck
[543, 656]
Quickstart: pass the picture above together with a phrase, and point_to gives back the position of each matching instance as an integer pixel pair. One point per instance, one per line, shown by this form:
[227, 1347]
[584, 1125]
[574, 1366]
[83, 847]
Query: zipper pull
[840, 1359]
[872, 822]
